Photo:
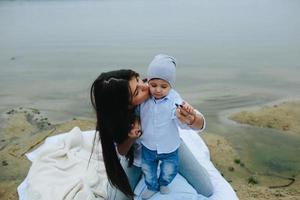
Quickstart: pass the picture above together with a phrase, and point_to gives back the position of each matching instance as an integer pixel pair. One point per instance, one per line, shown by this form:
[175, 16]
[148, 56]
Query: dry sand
[284, 116]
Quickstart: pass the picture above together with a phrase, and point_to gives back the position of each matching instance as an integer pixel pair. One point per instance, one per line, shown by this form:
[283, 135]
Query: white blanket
[59, 169]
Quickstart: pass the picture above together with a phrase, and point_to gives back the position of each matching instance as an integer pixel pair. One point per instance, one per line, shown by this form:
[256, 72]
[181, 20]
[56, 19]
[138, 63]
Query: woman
[115, 96]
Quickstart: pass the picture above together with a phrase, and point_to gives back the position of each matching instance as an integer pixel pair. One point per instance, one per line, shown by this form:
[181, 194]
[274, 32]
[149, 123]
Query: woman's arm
[135, 133]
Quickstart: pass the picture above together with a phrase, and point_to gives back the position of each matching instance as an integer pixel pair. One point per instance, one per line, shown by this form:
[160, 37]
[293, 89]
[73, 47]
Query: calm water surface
[231, 54]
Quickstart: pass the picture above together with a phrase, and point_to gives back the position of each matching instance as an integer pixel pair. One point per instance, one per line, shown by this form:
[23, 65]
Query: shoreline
[224, 115]
[248, 185]
[280, 115]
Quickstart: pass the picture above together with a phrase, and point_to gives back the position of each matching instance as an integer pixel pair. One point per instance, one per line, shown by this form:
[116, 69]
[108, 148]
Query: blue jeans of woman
[189, 168]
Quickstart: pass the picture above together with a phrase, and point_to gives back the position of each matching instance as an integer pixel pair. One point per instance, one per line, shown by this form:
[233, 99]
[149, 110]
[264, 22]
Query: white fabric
[179, 187]
[222, 189]
[59, 171]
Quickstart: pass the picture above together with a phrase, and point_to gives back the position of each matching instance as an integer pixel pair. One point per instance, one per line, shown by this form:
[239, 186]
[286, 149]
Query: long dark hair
[111, 97]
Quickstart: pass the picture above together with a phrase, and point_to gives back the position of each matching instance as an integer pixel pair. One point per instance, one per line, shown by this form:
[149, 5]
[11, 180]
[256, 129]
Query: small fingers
[183, 112]
[182, 116]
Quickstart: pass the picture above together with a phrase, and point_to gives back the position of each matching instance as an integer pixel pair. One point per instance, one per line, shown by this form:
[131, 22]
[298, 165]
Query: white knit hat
[163, 67]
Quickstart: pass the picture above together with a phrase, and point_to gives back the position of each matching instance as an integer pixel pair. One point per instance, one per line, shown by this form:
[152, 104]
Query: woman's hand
[135, 131]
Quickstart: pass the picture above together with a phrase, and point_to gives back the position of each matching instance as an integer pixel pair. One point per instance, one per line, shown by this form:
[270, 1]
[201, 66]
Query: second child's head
[161, 75]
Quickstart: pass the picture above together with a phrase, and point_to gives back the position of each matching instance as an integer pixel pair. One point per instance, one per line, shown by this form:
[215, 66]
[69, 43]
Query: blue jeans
[168, 168]
[189, 168]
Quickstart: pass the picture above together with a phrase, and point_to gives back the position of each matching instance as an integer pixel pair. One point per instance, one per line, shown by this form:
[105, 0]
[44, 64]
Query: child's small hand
[186, 113]
[135, 131]
[187, 107]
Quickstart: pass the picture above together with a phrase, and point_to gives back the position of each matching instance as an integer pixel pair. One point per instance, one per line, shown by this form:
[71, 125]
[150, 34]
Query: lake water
[231, 54]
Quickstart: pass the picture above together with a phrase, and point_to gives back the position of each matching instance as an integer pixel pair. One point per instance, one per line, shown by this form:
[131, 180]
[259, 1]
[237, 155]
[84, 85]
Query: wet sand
[284, 116]
[25, 129]
[248, 185]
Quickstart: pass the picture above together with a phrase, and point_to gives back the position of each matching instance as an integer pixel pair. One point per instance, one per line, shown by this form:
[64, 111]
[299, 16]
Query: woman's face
[139, 91]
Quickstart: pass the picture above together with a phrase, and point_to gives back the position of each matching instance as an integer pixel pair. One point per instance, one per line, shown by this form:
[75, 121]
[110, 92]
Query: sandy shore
[284, 116]
[248, 185]
[25, 129]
